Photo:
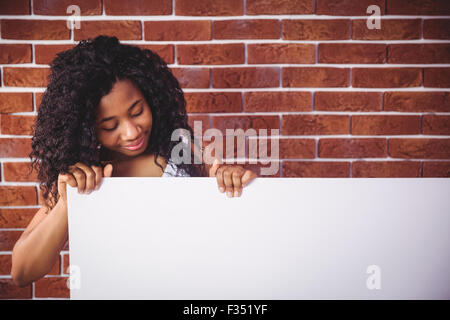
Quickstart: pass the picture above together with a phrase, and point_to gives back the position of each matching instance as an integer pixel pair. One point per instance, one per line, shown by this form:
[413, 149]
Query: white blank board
[284, 238]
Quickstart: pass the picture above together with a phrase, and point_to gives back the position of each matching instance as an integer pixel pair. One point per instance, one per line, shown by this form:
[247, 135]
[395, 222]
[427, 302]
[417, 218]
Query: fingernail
[230, 194]
[236, 194]
[222, 189]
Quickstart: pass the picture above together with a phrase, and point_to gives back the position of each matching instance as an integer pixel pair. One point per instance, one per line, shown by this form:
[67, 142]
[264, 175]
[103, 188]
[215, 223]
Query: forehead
[121, 96]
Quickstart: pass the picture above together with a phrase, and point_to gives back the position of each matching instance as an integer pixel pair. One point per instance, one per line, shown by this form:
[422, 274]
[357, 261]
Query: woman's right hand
[84, 177]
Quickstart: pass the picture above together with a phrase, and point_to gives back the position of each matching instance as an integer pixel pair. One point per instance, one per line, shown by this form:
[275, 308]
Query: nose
[130, 131]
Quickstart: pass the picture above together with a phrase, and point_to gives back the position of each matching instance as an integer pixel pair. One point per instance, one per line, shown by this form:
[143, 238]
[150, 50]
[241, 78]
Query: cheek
[149, 120]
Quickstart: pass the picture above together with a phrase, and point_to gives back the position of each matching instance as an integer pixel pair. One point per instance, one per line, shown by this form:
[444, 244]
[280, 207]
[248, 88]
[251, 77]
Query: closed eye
[134, 116]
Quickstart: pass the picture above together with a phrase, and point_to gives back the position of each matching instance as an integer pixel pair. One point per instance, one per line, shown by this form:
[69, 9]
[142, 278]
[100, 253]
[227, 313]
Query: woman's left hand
[231, 178]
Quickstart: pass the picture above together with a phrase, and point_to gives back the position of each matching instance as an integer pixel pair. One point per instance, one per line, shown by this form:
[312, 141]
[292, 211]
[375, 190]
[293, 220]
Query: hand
[231, 178]
[84, 177]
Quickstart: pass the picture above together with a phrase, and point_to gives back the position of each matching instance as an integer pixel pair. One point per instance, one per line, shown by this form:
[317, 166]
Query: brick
[287, 148]
[185, 30]
[272, 101]
[15, 53]
[59, 7]
[280, 53]
[215, 54]
[38, 99]
[436, 169]
[419, 148]
[15, 147]
[418, 7]
[336, 29]
[316, 169]
[297, 148]
[137, 7]
[5, 264]
[8, 290]
[245, 122]
[391, 29]
[386, 77]
[19, 171]
[35, 29]
[417, 101]
[246, 77]
[315, 77]
[44, 54]
[347, 101]
[435, 124]
[26, 77]
[257, 167]
[352, 148]
[385, 125]
[16, 218]
[419, 53]
[17, 196]
[436, 77]
[209, 8]
[16, 7]
[192, 77]
[271, 7]
[17, 125]
[16, 102]
[166, 52]
[8, 238]
[347, 7]
[213, 102]
[436, 29]
[54, 287]
[352, 53]
[122, 29]
[315, 124]
[386, 169]
[246, 29]
[66, 263]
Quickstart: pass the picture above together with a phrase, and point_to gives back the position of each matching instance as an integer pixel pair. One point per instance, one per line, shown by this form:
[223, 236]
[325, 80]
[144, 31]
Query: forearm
[35, 254]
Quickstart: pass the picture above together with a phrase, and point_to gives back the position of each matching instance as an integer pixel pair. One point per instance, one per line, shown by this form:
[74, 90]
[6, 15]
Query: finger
[228, 181]
[219, 177]
[236, 176]
[248, 177]
[69, 179]
[213, 169]
[80, 177]
[107, 170]
[90, 177]
[98, 176]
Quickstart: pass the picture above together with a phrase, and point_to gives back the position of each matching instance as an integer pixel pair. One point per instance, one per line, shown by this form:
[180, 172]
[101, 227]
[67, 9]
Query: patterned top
[172, 170]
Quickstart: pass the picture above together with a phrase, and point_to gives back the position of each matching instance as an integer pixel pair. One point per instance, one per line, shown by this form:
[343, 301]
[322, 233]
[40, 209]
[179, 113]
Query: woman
[109, 111]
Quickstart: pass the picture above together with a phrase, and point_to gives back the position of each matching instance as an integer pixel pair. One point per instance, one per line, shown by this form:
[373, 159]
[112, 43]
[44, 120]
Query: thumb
[107, 170]
[213, 169]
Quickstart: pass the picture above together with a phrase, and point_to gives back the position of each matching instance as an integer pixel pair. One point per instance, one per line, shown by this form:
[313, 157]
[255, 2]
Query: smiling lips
[136, 146]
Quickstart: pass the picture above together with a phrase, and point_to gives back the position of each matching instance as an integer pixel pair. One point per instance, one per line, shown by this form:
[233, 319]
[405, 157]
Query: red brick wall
[348, 101]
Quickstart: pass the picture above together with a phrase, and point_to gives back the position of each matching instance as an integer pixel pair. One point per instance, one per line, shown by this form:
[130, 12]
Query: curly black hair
[64, 132]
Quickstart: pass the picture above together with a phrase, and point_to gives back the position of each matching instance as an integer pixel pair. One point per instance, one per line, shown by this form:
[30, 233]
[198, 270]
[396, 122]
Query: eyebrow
[110, 118]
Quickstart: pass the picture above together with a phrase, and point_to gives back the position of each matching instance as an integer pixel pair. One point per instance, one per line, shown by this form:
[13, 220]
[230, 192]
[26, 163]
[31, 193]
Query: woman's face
[124, 120]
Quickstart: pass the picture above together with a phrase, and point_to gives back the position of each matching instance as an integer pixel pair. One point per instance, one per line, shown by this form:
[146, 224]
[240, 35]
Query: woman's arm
[38, 248]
